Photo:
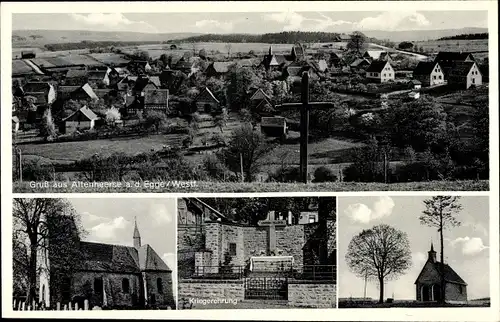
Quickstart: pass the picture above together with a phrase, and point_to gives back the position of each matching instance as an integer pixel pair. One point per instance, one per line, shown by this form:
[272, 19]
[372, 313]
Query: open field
[218, 187]
[453, 45]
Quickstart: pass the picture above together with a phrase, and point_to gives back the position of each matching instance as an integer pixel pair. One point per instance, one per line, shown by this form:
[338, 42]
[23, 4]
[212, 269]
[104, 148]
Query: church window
[159, 285]
[232, 249]
[125, 286]
[461, 289]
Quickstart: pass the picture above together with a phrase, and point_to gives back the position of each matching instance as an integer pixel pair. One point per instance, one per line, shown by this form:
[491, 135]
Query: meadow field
[474, 45]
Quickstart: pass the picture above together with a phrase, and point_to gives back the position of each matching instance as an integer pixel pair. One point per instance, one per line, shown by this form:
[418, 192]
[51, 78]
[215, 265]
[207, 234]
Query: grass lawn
[404, 304]
[65, 151]
[218, 187]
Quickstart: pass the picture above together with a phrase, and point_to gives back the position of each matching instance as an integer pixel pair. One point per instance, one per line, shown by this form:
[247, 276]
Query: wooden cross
[270, 222]
[305, 106]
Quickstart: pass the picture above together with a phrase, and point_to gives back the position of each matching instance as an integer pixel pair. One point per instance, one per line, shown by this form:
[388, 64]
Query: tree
[380, 253]
[246, 146]
[155, 119]
[405, 45]
[47, 127]
[36, 221]
[228, 47]
[356, 42]
[112, 115]
[240, 81]
[440, 212]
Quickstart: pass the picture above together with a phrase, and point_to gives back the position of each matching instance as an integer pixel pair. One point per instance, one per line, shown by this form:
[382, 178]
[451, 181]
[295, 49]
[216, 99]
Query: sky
[466, 246]
[111, 221]
[252, 22]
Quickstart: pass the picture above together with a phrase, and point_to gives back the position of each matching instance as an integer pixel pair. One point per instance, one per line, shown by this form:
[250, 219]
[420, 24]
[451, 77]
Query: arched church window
[125, 286]
[159, 285]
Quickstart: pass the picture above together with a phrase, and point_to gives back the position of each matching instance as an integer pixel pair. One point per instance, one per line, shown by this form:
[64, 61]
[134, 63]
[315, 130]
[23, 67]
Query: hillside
[42, 37]
[421, 35]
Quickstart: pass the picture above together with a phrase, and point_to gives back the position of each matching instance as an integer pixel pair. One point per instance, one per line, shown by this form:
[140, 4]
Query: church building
[108, 276]
[429, 280]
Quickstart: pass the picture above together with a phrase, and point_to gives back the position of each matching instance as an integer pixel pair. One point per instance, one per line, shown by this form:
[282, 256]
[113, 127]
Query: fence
[20, 305]
[218, 272]
[318, 273]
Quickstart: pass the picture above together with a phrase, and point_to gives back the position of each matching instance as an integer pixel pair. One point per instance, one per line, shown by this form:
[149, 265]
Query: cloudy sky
[112, 221]
[466, 247]
[253, 22]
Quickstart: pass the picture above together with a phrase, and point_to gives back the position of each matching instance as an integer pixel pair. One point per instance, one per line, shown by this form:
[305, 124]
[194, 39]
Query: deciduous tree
[380, 253]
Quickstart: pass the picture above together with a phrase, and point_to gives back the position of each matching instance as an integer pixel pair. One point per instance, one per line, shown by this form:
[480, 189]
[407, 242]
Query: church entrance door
[436, 293]
[99, 291]
[425, 293]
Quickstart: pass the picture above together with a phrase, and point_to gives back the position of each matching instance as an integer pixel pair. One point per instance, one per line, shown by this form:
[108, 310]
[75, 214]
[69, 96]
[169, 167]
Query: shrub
[285, 175]
[324, 174]
[37, 171]
[214, 167]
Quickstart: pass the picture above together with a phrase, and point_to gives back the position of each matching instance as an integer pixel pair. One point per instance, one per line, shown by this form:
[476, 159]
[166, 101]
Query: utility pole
[241, 168]
[20, 164]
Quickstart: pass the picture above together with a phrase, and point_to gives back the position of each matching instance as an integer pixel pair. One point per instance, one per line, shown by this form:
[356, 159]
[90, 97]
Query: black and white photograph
[257, 253]
[94, 254]
[250, 101]
[414, 252]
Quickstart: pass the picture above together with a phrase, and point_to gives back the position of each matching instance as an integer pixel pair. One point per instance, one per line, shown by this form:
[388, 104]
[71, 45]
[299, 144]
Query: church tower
[432, 254]
[137, 236]
[270, 50]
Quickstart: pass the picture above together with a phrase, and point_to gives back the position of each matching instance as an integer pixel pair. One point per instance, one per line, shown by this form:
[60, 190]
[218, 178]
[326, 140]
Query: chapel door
[436, 292]
[425, 293]
[99, 291]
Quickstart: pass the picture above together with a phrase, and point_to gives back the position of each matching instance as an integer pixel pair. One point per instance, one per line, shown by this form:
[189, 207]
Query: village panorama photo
[250, 102]
[93, 254]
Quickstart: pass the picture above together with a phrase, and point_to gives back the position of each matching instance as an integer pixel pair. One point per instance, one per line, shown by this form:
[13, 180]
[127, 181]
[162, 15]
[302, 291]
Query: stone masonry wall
[255, 241]
[213, 239]
[290, 241]
[210, 289]
[163, 297]
[83, 281]
[312, 295]
[453, 292]
[233, 234]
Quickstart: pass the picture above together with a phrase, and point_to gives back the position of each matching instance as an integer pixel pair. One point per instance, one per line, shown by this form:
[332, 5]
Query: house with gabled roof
[156, 99]
[377, 55]
[274, 61]
[447, 59]
[206, 102]
[428, 283]
[109, 276]
[84, 92]
[464, 75]
[82, 120]
[75, 77]
[429, 73]
[298, 53]
[218, 69]
[380, 71]
[359, 64]
[44, 92]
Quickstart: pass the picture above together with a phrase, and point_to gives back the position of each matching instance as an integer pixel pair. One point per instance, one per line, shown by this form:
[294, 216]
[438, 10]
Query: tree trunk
[32, 273]
[443, 286]
[381, 295]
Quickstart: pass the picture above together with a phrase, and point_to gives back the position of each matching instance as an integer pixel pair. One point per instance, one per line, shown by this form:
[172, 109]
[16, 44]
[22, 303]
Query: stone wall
[313, 295]
[290, 241]
[190, 238]
[255, 241]
[232, 234]
[455, 292]
[83, 282]
[159, 297]
[210, 289]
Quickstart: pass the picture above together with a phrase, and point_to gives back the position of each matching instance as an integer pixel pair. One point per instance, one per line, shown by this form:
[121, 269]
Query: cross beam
[305, 106]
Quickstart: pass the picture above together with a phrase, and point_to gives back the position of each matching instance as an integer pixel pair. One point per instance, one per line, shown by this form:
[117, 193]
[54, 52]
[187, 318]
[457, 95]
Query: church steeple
[432, 254]
[270, 50]
[137, 236]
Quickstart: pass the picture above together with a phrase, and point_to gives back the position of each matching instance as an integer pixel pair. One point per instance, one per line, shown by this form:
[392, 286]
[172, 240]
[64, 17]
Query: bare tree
[228, 47]
[380, 253]
[440, 212]
[35, 222]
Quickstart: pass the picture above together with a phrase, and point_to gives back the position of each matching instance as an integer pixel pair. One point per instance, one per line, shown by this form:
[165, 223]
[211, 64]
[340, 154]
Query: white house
[380, 71]
[81, 120]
